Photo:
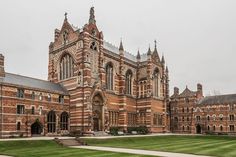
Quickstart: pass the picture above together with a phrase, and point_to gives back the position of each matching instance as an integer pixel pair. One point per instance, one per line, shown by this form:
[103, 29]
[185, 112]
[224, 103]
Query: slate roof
[218, 99]
[187, 93]
[127, 55]
[20, 80]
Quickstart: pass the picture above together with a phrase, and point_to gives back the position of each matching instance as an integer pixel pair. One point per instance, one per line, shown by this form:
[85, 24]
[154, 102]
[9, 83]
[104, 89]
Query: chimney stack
[2, 70]
[56, 34]
[176, 91]
[199, 90]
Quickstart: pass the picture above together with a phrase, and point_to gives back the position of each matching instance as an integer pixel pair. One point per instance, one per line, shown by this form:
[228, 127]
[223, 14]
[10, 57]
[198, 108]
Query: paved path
[137, 151]
[154, 134]
[4, 156]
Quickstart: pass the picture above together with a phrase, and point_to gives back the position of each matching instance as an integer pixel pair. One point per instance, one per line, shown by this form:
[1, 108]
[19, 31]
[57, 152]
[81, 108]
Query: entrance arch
[36, 128]
[97, 113]
[198, 129]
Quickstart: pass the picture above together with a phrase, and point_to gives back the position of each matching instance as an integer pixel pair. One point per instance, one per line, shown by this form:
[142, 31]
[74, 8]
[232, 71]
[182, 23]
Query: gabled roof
[25, 81]
[187, 93]
[218, 99]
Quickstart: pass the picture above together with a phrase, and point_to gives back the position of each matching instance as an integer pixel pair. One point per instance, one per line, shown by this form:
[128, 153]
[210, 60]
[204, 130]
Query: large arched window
[109, 76]
[128, 82]
[64, 121]
[51, 122]
[156, 83]
[66, 67]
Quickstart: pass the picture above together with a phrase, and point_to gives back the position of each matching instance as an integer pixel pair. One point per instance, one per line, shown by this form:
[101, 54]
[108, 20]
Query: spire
[155, 53]
[163, 59]
[138, 57]
[167, 70]
[149, 51]
[121, 48]
[92, 16]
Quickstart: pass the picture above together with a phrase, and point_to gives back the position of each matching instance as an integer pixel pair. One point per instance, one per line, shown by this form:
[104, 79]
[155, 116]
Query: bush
[140, 130]
[114, 131]
[75, 133]
[143, 130]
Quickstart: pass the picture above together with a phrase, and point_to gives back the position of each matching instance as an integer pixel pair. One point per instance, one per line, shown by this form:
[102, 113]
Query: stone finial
[138, 57]
[163, 59]
[65, 16]
[121, 48]
[149, 51]
[92, 16]
[155, 53]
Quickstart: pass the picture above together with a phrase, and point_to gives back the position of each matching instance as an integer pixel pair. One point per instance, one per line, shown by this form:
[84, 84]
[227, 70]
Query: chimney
[199, 90]
[176, 91]
[2, 71]
[56, 34]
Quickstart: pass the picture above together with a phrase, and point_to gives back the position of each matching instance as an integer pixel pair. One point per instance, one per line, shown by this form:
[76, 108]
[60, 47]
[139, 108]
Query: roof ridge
[30, 77]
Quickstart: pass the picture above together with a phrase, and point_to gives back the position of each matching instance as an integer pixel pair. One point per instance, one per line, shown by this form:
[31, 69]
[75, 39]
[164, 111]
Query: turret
[199, 90]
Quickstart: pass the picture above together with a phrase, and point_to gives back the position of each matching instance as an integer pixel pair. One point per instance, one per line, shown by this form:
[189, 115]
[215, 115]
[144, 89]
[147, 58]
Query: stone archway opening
[98, 113]
[198, 129]
[36, 128]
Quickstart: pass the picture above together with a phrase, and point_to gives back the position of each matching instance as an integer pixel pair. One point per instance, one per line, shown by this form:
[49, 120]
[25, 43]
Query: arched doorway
[198, 129]
[36, 128]
[98, 113]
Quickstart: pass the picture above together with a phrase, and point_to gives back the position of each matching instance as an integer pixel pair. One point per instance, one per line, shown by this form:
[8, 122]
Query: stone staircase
[70, 142]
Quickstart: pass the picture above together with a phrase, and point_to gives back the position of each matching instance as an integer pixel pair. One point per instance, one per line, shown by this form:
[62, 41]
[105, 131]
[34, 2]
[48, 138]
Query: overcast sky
[197, 37]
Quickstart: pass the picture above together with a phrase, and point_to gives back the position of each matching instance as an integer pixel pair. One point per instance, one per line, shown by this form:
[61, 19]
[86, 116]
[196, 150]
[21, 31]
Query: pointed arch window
[93, 46]
[66, 67]
[51, 122]
[64, 121]
[128, 82]
[156, 83]
[109, 76]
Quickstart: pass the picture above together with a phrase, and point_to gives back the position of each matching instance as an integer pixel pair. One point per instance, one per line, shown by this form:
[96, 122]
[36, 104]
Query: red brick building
[92, 86]
[192, 113]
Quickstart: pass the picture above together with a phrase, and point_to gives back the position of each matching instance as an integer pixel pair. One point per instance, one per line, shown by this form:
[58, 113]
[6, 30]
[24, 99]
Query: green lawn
[221, 146]
[51, 149]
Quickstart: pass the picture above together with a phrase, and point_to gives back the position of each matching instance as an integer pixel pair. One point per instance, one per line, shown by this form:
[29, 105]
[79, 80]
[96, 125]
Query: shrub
[142, 130]
[75, 133]
[114, 131]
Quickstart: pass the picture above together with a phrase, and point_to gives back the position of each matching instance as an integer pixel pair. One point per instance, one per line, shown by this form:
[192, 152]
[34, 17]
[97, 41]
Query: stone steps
[70, 142]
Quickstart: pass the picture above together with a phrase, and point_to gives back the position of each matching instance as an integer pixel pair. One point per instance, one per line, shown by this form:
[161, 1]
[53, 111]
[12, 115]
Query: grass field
[220, 146]
[51, 149]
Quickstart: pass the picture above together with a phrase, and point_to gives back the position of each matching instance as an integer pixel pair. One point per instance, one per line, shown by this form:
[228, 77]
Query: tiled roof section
[187, 93]
[127, 55]
[33, 83]
[218, 99]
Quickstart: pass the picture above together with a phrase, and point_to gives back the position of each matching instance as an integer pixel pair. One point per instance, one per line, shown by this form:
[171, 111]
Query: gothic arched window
[64, 121]
[128, 82]
[51, 122]
[93, 46]
[66, 67]
[109, 76]
[156, 83]
[65, 36]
